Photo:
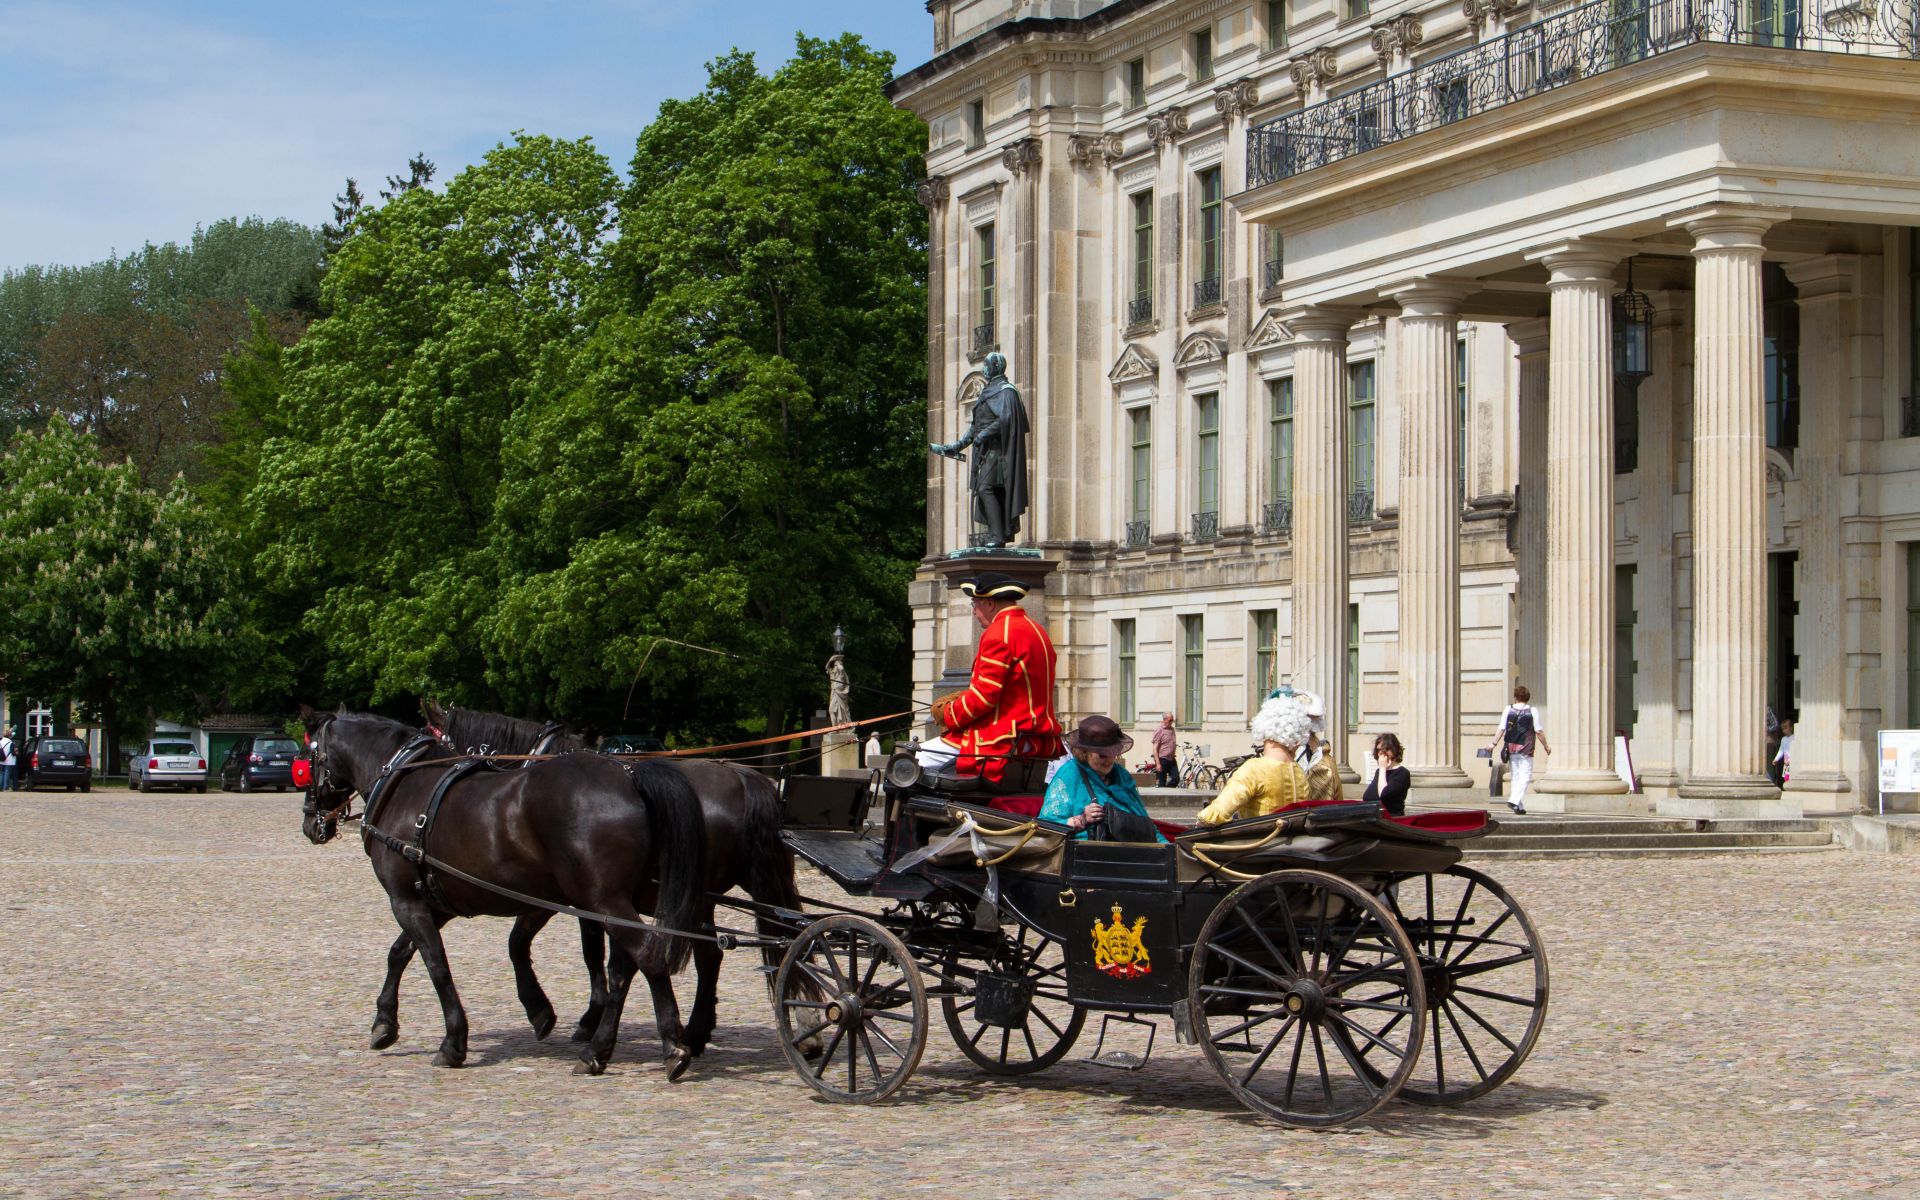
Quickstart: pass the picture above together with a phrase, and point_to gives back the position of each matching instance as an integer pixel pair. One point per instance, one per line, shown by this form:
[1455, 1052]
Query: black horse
[741, 812]
[581, 830]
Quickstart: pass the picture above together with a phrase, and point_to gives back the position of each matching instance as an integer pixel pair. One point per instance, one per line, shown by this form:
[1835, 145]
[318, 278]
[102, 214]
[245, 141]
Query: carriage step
[1118, 1059]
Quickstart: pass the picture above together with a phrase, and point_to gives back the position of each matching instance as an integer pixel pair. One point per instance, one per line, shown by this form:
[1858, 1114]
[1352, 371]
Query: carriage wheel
[1025, 990]
[852, 988]
[1485, 973]
[1282, 987]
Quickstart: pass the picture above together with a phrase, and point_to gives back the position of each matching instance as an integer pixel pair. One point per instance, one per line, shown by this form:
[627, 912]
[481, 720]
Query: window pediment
[1268, 332]
[1199, 349]
[1134, 363]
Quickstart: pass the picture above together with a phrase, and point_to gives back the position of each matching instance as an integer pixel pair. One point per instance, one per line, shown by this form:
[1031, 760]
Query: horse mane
[470, 728]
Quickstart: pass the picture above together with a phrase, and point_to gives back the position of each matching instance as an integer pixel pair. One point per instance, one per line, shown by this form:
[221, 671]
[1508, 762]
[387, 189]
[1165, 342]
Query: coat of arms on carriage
[1118, 950]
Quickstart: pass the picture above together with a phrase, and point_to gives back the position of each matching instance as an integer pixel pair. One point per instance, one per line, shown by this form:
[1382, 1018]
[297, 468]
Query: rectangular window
[1360, 438]
[1211, 224]
[1275, 264]
[976, 124]
[1623, 664]
[1773, 22]
[1366, 129]
[984, 239]
[1140, 426]
[1277, 24]
[1357, 9]
[1126, 673]
[1780, 323]
[1266, 658]
[1143, 251]
[1353, 669]
[1206, 432]
[1137, 83]
[1450, 98]
[1460, 390]
[1203, 54]
[1193, 669]
[1280, 439]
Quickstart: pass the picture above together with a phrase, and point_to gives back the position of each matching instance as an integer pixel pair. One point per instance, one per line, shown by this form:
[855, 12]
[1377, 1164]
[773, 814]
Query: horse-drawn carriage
[1325, 958]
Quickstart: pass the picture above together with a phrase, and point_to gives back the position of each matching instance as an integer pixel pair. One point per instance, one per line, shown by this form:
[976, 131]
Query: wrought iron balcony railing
[983, 338]
[1140, 310]
[1600, 36]
[1359, 506]
[1136, 535]
[1270, 276]
[1206, 291]
[1206, 526]
[1277, 518]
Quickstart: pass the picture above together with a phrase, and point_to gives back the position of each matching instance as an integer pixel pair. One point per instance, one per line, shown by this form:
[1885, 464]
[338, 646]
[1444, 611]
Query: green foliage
[110, 593]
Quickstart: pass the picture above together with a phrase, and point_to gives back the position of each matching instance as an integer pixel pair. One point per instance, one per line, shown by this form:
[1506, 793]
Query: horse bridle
[325, 787]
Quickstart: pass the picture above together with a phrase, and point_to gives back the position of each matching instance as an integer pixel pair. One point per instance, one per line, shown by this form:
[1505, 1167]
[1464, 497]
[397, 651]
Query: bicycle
[1195, 770]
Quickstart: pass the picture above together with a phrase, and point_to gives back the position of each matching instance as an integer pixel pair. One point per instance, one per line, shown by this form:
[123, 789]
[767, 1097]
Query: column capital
[1422, 296]
[1581, 260]
[1316, 323]
[1530, 337]
[1828, 277]
[1728, 226]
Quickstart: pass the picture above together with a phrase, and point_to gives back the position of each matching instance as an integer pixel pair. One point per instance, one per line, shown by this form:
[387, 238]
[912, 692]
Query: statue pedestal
[841, 752]
[1028, 566]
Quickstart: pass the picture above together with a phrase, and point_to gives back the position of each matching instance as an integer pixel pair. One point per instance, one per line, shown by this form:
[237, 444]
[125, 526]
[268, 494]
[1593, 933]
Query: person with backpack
[1515, 740]
[7, 760]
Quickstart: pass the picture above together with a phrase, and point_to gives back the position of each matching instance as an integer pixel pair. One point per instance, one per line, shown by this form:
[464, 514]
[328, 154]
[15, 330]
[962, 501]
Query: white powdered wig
[1282, 719]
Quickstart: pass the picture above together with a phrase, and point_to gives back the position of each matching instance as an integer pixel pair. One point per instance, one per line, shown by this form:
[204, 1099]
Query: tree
[739, 463]
[110, 594]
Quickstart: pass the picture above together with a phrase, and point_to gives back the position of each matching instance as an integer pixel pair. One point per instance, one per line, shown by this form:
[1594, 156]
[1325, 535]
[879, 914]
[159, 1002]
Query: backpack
[1519, 733]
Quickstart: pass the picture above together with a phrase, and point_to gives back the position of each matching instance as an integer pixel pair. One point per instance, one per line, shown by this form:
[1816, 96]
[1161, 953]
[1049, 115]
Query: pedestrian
[1164, 748]
[1388, 785]
[7, 759]
[1782, 765]
[1519, 731]
[1773, 742]
[873, 749]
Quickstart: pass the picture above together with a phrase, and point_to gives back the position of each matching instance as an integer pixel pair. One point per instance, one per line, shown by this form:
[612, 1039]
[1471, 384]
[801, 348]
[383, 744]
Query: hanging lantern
[839, 640]
[1632, 332]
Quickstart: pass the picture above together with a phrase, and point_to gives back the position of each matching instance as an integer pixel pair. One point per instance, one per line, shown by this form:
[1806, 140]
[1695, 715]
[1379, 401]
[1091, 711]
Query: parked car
[631, 743]
[168, 764]
[259, 761]
[56, 761]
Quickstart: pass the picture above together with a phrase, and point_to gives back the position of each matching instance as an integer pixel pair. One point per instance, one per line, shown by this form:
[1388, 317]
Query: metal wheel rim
[997, 1050]
[1253, 993]
[845, 955]
[1490, 1020]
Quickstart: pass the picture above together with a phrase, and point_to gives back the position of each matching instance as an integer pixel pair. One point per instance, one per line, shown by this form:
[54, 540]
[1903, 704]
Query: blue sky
[125, 123]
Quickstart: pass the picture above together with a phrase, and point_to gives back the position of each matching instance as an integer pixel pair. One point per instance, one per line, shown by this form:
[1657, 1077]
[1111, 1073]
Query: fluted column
[1320, 513]
[1429, 553]
[1655, 638]
[1728, 776]
[1579, 774]
[1530, 520]
[1829, 296]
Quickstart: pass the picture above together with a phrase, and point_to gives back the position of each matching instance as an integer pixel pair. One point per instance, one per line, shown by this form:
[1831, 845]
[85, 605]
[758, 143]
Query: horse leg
[706, 996]
[386, 1009]
[422, 924]
[629, 948]
[593, 951]
[533, 997]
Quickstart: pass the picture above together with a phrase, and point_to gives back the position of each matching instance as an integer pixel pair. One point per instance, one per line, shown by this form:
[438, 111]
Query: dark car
[258, 762]
[56, 762]
[631, 743]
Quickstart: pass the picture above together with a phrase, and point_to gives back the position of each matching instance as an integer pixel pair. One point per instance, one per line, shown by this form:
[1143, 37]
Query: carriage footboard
[849, 859]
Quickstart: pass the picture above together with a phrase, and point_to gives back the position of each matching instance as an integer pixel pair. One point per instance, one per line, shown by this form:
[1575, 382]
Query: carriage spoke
[1481, 939]
[1482, 1022]
[1373, 1039]
[886, 1041]
[1250, 965]
[1371, 1005]
[1293, 1070]
[1354, 1064]
[1026, 1032]
[1503, 997]
[826, 1056]
[1465, 1043]
[1377, 971]
[1244, 1026]
[797, 1038]
[1320, 942]
[1492, 964]
[1383, 1031]
[1459, 914]
[1260, 1060]
[853, 1076]
[1320, 1055]
[873, 1061]
[1268, 942]
[1221, 989]
[1047, 1021]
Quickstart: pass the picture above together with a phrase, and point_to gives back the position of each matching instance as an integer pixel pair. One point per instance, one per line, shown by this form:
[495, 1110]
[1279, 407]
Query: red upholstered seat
[1464, 820]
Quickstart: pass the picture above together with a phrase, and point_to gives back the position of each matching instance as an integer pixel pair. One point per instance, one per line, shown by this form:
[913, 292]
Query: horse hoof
[678, 1060]
[442, 1059]
[385, 1034]
[543, 1024]
[812, 1048]
[589, 1066]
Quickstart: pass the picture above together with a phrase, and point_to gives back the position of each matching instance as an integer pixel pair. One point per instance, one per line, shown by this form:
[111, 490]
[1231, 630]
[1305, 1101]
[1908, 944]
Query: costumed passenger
[1094, 789]
[1323, 770]
[1273, 779]
[1006, 710]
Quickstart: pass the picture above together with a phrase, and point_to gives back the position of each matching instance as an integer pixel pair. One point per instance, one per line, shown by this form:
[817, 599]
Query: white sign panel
[1900, 760]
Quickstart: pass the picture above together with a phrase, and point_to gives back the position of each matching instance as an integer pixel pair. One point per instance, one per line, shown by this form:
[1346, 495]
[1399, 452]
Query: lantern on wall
[1632, 333]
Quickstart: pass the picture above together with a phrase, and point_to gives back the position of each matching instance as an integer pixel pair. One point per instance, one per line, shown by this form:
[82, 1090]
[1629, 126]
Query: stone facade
[1314, 307]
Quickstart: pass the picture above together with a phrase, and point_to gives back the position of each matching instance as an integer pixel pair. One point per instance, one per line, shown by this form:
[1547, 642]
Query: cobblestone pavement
[188, 986]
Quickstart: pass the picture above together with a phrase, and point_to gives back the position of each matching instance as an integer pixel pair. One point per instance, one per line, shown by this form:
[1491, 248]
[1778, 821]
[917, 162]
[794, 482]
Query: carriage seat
[1021, 775]
[1029, 806]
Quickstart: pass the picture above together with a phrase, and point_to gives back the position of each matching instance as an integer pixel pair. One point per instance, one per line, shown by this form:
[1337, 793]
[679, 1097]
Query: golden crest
[1118, 950]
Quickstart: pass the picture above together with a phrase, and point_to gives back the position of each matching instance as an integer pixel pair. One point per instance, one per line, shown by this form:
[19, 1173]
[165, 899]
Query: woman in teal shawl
[1096, 788]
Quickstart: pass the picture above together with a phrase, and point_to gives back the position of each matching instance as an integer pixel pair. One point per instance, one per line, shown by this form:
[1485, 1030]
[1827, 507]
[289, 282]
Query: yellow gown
[1261, 785]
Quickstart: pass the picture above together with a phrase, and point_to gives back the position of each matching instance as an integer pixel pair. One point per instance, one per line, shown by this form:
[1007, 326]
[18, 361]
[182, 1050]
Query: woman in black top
[1388, 784]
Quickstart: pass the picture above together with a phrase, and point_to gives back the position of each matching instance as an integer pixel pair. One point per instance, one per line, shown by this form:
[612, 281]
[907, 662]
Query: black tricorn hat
[1099, 735]
[992, 585]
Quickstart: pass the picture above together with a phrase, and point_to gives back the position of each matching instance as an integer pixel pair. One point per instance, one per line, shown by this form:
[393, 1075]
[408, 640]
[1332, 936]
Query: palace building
[1408, 351]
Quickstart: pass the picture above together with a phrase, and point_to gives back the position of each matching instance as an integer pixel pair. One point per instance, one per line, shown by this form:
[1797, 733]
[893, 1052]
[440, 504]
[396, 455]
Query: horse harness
[415, 852]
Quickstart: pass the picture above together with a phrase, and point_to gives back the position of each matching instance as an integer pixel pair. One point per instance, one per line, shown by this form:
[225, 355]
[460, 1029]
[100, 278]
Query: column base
[1583, 791]
[1830, 782]
[1438, 777]
[1731, 797]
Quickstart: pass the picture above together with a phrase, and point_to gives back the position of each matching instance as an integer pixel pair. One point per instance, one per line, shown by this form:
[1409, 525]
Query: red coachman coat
[1007, 707]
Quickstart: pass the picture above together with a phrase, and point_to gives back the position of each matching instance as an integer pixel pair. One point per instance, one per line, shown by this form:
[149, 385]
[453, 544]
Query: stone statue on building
[998, 435]
[839, 691]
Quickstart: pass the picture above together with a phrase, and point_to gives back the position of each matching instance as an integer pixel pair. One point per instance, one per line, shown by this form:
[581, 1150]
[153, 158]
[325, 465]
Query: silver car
[168, 764]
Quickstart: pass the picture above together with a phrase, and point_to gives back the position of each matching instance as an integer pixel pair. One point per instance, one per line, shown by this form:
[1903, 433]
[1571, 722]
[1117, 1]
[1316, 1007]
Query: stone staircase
[1544, 837]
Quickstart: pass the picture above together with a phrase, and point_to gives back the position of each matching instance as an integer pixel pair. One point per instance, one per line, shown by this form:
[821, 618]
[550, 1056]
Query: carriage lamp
[1632, 333]
[839, 640]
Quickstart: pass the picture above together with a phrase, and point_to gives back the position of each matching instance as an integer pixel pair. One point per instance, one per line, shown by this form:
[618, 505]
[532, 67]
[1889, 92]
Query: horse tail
[679, 853]
[769, 864]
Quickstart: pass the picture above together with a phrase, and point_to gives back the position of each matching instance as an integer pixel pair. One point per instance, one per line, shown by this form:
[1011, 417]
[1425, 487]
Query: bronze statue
[998, 476]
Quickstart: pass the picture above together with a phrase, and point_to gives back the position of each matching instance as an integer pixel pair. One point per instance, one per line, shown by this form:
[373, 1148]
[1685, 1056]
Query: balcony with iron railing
[1276, 518]
[1594, 38]
[1206, 292]
[1139, 310]
[1360, 506]
[1271, 273]
[983, 338]
[1206, 527]
[1137, 535]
